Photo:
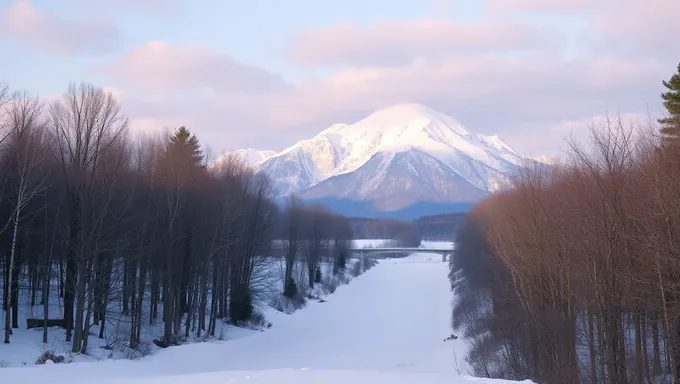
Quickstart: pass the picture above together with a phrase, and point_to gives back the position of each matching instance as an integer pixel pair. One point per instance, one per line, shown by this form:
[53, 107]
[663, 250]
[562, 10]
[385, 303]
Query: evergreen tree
[185, 145]
[179, 171]
[670, 129]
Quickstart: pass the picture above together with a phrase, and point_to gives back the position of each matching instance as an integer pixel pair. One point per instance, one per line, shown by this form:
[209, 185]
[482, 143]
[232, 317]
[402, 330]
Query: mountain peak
[409, 117]
[251, 156]
[397, 133]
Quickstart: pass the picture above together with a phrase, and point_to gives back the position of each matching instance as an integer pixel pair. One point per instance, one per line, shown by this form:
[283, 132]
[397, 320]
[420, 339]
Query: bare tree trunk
[656, 349]
[591, 348]
[15, 292]
[137, 325]
[638, 374]
[645, 346]
[90, 303]
[10, 284]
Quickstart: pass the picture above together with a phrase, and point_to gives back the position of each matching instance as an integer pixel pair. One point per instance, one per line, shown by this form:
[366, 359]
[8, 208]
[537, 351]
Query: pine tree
[185, 143]
[179, 169]
[670, 129]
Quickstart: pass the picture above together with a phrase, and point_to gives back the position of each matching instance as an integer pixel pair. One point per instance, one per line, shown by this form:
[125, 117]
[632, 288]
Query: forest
[442, 227]
[572, 275]
[97, 222]
[402, 233]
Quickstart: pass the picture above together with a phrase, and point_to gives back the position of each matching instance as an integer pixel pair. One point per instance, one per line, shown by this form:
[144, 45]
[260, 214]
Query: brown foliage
[572, 274]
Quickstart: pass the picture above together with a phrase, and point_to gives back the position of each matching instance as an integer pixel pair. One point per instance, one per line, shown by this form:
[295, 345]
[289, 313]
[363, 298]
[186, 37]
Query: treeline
[573, 275]
[404, 233]
[440, 227]
[434, 227]
[312, 233]
[107, 223]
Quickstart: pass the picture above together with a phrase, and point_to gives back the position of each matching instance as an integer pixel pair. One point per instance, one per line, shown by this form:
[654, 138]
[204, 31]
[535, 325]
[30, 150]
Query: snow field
[388, 326]
[26, 345]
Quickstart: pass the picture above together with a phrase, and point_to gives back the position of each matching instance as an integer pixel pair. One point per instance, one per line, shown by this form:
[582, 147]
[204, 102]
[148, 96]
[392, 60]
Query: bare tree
[130, 232]
[571, 274]
[293, 235]
[26, 129]
[87, 123]
[5, 97]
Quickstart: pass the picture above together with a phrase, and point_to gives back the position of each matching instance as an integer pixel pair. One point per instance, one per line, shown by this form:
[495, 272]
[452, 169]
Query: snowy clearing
[387, 326]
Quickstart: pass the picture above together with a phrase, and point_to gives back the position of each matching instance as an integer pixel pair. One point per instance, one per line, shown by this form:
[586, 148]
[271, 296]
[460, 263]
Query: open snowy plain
[388, 325]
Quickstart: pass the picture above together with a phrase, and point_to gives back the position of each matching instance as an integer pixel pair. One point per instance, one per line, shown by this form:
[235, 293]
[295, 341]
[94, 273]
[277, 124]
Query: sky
[267, 73]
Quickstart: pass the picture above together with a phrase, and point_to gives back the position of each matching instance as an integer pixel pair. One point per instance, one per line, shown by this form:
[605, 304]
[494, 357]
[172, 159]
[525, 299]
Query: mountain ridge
[395, 157]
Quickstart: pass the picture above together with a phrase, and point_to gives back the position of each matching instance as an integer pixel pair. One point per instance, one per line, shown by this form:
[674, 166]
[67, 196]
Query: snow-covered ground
[26, 344]
[371, 243]
[387, 326]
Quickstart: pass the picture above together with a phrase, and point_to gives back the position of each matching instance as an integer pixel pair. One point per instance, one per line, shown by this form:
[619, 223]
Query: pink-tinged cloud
[461, 69]
[619, 27]
[439, 6]
[400, 42]
[550, 6]
[639, 27]
[532, 88]
[160, 66]
[513, 97]
[153, 8]
[26, 23]
[144, 4]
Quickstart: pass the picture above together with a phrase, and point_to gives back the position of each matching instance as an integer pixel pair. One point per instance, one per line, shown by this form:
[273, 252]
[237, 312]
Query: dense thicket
[310, 234]
[440, 227]
[573, 274]
[135, 227]
[404, 233]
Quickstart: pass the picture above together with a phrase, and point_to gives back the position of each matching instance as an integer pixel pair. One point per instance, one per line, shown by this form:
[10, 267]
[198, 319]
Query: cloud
[617, 27]
[500, 74]
[439, 6]
[512, 97]
[161, 67]
[398, 42]
[638, 27]
[157, 9]
[600, 27]
[144, 4]
[24, 22]
[498, 6]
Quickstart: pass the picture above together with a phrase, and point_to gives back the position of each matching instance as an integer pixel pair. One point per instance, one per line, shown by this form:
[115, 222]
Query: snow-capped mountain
[252, 157]
[544, 159]
[395, 157]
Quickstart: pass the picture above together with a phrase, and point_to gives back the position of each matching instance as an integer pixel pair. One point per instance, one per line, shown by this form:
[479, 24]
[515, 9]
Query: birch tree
[26, 129]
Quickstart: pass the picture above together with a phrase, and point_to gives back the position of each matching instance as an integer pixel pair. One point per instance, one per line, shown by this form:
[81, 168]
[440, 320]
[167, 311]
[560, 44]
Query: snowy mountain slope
[252, 157]
[398, 155]
[398, 179]
[305, 164]
[544, 159]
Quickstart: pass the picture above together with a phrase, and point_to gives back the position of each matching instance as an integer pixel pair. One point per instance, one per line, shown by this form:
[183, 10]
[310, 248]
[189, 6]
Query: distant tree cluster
[440, 227]
[312, 233]
[404, 233]
[573, 274]
[140, 227]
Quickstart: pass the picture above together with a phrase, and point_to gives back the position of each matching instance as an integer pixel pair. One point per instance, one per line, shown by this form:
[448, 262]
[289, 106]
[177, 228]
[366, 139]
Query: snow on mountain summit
[252, 157]
[344, 148]
[404, 127]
